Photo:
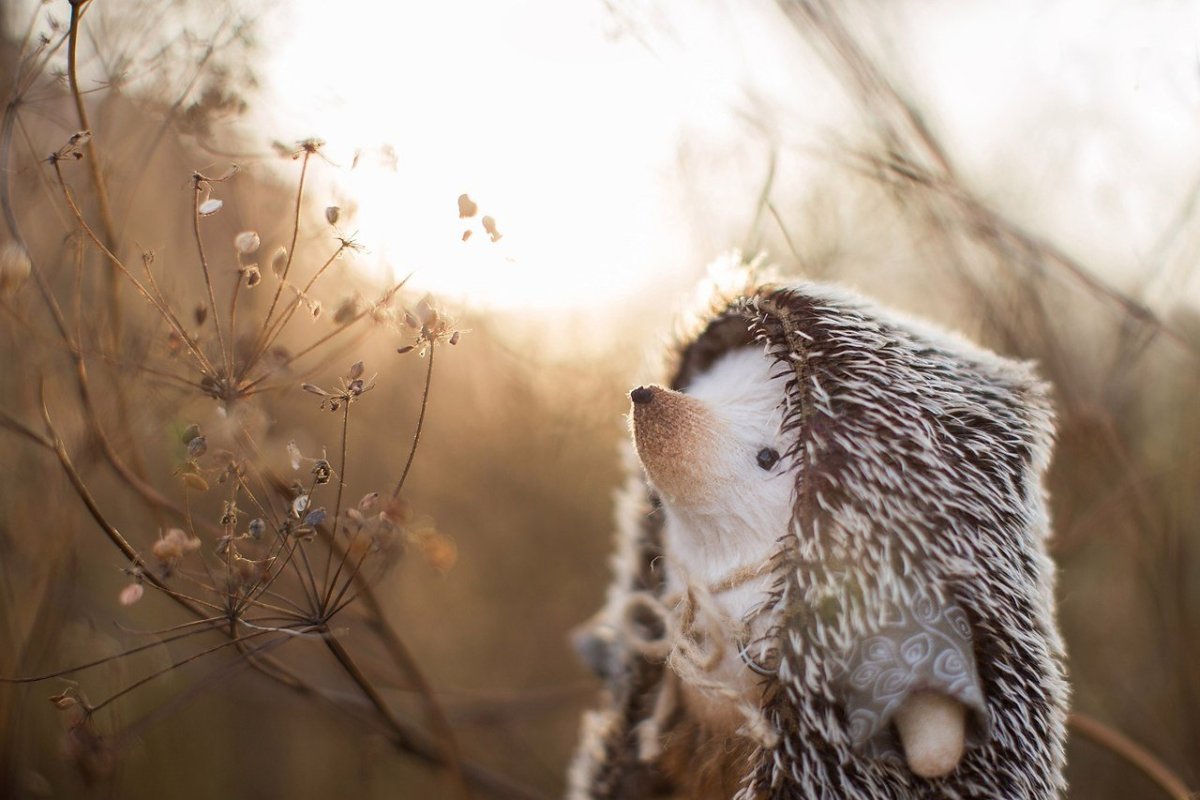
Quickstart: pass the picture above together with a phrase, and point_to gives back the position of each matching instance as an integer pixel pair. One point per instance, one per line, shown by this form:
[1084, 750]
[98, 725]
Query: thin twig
[412, 451]
[1141, 758]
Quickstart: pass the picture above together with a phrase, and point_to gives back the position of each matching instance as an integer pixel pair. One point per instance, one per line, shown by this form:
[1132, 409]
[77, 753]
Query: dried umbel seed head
[15, 267]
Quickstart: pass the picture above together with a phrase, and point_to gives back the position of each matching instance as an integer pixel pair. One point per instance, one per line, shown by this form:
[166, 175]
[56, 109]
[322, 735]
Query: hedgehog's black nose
[641, 395]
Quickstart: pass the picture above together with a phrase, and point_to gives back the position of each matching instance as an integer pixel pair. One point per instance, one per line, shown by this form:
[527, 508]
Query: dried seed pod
[356, 370]
[489, 225]
[322, 472]
[300, 504]
[210, 207]
[253, 276]
[256, 528]
[247, 242]
[190, 432]
[279, 261]
[197, 446]
[194, 481]
[200, 314]
[466, 207]
[292, 450]
[331, 214]
[131, 594]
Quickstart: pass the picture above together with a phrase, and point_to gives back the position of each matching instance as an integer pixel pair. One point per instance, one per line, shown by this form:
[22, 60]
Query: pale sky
[1079, 117]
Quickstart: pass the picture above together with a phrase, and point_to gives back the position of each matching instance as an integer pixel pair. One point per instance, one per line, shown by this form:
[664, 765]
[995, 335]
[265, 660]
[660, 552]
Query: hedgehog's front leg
[933, 732]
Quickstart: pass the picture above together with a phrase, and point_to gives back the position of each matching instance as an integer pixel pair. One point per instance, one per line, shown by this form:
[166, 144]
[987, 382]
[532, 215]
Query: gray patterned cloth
[926, 646]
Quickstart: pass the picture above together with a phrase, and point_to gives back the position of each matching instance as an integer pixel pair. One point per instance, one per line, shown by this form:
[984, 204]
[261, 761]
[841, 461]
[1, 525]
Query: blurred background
[1024, 172]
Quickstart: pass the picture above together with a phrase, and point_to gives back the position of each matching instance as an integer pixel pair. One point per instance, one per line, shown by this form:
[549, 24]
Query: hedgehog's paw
[933, 730]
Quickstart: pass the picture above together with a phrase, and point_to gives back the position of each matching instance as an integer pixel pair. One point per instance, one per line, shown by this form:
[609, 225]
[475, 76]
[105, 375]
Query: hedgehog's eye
[767, 458]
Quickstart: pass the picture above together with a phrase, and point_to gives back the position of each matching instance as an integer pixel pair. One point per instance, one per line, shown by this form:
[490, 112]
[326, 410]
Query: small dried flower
[368, 502]
[15, 267]
[410, 319]
[314, 517]
[253, 276]
[279, 260]
[131, 594]
[257, 528]
[247, 242]
[197, 446]
[466, 207]
[331, 214]
[173, 546]
[210, 206]
[322, 471]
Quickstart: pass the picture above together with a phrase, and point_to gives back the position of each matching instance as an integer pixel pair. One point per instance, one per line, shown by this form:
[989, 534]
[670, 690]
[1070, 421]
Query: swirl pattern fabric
[925, 646]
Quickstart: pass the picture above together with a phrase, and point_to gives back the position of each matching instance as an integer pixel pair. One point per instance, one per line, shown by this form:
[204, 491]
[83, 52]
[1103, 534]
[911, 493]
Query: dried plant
[259, 561]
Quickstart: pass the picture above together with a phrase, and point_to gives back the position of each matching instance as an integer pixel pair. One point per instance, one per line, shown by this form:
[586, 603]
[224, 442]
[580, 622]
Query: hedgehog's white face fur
[713, 453]
[716, 457]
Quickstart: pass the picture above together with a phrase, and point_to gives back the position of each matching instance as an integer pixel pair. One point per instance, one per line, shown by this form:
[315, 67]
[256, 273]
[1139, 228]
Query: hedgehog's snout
[674, 435]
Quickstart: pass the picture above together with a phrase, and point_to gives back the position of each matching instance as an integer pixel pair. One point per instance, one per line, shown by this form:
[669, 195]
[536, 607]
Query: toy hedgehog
[832, 579]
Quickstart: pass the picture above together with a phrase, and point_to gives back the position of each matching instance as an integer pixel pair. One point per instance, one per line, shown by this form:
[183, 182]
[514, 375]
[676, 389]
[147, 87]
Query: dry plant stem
[98, 662]
[198, 182]
[337, 515]
[1135, 754]
[262, 338]
[412, 451]
[236, 640]
[372, 694]
[102, 205]
[276, 328]
[202, 361]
